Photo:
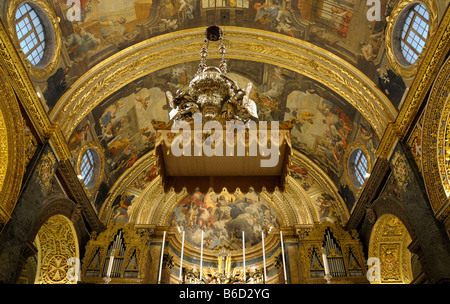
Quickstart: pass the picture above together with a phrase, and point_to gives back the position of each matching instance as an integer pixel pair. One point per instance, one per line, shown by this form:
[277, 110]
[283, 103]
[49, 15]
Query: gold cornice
[435, 146]
[429, 68]
[255, 45]
[12, 149]
[19, 79]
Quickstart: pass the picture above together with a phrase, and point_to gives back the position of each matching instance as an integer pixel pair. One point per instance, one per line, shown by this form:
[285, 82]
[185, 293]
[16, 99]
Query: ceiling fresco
[94, 30]
[326, 124]
[327, 128]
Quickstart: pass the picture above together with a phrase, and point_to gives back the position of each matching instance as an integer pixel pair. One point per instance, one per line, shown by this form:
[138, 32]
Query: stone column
[431, 236]
[16, 236]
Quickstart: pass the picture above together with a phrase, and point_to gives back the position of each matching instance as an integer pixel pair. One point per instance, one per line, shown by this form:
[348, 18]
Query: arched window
[87, 166]
[415, 33]
[359, 167]
[31, 33]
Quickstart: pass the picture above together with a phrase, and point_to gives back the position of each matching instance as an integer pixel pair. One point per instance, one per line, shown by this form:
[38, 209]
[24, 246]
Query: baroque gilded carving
[346, 250]
[12, 149]
[435, 146]
[166, 50]
[57, 243]
[429, 67]
[131, 256]
[388, 242]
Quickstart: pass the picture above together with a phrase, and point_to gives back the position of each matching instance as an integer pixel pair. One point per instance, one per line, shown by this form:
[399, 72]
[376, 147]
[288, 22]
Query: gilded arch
[388, 242]
[57, 243]
[436, 150]
[182, 46]
[12, 149]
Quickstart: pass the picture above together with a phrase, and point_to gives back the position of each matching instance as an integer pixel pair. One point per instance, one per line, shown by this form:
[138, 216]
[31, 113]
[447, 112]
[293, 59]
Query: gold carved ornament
[349, 251]
[133, 258]
[388, 242]
[429, 67]
[435, 155]
[179, 47]
[57, 243]
[12, 149]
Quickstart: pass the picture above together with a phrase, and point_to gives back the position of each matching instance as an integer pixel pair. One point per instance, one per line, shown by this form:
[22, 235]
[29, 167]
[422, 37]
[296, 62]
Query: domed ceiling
[322, 62]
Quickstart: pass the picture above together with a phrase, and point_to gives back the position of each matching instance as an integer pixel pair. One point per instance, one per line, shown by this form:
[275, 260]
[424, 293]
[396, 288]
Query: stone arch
[435, 148]
[57, 243]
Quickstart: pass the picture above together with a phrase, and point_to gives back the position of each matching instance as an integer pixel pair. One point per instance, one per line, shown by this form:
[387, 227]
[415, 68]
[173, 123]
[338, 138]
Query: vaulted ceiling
[318, 61]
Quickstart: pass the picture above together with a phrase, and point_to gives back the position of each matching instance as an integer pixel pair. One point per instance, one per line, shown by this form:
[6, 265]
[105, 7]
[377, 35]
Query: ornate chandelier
[211, 93]
[213, 101]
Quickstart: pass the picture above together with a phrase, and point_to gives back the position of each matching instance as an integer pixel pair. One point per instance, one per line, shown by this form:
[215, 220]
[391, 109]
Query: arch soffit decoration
[146, 211]
[388, 242]
[12, 150]
[255, 45]
[436, 148]
[51, 254]
[63, 206]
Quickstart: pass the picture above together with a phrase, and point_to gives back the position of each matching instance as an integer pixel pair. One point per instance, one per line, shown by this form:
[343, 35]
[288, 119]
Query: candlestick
[181, 262]
[282, 254]
[264, 257]
[107, 279]
[201, 258]
[162, 257]
[325, 266]
[243, 253]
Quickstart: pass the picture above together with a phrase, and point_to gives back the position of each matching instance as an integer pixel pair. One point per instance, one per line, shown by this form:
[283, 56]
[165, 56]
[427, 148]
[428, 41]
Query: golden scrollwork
[347, 252]
[426, 73]
[12, 150]
[388, 242]
[54, 33]
[131, 258]
[435, 145]
[392, 36]
[182, 46]
[57, 243]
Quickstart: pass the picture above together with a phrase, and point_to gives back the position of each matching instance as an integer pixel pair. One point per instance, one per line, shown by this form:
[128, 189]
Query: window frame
[34, 31]
[409, 31]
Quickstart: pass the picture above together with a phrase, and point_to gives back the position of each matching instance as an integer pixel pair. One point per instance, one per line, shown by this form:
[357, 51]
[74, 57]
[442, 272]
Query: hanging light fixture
[211, 93]
[213, 97]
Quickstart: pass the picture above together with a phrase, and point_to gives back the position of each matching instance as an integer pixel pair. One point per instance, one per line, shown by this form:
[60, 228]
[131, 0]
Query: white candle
[243, 252]
[282, 253]
[325, 262]
[201, 258]
[162, 257]
[181, 262]
[264, 257]
[111, 259]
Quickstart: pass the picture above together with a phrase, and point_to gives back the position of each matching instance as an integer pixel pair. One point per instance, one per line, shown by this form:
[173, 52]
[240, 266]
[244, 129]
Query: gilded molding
[23, 87]
[50, 67]
[182, 46]
[435, 146]
[391, 35]
[12, 149]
